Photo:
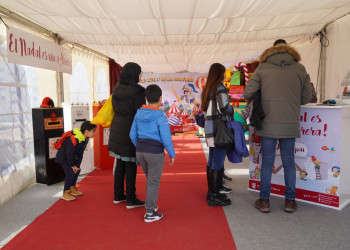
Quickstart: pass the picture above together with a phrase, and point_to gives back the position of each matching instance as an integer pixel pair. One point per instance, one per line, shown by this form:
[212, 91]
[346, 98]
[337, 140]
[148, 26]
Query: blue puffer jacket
[150, 132]
[240, 150]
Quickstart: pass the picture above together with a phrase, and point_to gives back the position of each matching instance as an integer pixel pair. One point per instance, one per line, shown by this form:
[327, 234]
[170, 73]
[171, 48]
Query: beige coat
[285, 85]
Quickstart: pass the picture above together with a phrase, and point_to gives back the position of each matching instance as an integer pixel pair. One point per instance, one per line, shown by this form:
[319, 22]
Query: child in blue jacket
[70, 157]
[150, 133]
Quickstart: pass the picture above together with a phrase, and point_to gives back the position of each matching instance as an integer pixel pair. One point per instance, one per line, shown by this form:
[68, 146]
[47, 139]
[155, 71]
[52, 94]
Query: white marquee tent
[170, 36]
[166, 36]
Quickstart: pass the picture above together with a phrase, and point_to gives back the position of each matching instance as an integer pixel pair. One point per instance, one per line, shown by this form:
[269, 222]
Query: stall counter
[322, 155]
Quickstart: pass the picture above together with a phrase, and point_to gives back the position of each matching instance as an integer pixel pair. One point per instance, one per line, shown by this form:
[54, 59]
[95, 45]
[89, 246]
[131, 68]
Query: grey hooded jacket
[285, 85]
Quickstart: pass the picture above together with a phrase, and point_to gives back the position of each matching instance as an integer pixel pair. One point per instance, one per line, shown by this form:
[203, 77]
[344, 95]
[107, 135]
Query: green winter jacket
[285, 85]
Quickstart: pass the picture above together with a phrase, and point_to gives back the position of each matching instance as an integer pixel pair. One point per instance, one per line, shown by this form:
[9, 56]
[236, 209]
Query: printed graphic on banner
[52, 150]
[27, 49]
[317, 158]
[106, 132]
[181, 94]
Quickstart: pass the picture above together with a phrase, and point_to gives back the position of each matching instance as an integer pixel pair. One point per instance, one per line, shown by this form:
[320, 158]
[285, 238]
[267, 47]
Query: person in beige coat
[284, 85]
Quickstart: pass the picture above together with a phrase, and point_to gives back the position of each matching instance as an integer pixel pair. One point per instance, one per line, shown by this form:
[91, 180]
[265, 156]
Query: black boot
[208, 181]
[222, 188]
[215, 198]
[224, 196]
[225, 176]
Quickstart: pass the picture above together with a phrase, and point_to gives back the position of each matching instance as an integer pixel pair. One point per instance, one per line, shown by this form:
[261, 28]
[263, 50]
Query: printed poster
[181, 93]
[52, 150]
[317, 158]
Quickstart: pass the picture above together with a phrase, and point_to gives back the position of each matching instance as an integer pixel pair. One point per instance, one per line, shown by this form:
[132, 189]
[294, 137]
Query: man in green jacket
[284, 85]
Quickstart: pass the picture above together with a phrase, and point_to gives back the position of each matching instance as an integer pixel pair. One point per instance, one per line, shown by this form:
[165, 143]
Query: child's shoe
[152, 217]
[74, 191]
[67, 196]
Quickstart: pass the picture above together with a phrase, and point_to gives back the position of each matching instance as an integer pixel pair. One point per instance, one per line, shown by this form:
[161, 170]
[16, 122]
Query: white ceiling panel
[170, 36]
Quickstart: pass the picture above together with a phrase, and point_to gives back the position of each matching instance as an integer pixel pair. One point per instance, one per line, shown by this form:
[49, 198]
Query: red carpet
[94, 222]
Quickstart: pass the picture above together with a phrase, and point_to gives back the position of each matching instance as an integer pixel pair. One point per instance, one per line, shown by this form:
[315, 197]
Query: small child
[70, 157]
[150, 133]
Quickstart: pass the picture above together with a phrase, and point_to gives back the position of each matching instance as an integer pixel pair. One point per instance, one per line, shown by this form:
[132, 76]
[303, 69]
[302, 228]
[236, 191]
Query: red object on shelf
[182, 129]
[235, 92]
[102, 160]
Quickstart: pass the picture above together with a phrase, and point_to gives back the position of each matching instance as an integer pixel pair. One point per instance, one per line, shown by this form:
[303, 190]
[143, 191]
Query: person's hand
[75, 169]
[171, 161]
[227, 79]
[194, 112]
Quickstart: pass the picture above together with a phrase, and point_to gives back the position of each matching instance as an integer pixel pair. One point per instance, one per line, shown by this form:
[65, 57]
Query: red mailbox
[102, 160]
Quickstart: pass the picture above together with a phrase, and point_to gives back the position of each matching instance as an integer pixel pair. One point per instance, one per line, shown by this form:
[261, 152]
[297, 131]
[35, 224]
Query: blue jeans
[268, 149]
[216, 158]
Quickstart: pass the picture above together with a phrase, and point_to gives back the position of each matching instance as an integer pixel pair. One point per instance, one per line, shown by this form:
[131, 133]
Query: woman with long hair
[216, 106]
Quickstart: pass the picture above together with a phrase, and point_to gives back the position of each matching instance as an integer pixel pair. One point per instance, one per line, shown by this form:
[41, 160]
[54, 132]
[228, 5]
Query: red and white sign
[302, 194]
[317, 159]
[27, 49]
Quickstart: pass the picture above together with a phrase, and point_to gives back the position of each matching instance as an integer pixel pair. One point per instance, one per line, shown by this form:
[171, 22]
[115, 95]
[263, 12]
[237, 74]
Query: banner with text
[317, 158]
[27, 49]
[181, 89]
[181, 94]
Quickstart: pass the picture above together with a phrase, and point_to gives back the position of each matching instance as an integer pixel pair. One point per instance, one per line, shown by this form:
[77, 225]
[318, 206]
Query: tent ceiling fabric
[171, 36]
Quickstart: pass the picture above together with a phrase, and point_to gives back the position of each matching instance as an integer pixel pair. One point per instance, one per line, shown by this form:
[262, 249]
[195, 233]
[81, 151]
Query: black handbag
[257, 113]
[224, 137]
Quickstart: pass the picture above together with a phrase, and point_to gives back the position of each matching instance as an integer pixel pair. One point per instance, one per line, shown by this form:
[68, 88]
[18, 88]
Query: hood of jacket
[78, 134]
[280, 55]
[146, 114]
[130, 74]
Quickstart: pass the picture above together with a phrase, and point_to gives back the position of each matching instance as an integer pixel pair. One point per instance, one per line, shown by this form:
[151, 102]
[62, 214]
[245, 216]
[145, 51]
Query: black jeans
[125, 170]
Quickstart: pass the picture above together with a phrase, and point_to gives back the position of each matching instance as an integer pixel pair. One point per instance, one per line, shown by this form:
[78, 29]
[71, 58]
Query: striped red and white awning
[174, 109]
[197, 109]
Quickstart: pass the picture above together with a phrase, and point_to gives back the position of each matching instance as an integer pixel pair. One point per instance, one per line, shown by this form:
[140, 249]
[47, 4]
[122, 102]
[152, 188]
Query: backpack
[63, 138]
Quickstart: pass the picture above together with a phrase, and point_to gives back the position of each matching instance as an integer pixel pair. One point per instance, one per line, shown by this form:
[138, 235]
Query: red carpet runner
[94, 222]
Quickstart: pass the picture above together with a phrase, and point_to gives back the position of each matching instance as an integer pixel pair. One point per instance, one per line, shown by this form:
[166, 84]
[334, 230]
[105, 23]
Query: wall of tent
[23, 88]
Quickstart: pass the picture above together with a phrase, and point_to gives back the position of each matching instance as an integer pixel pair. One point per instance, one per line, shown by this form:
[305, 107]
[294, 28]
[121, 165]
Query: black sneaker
[225, 190]
[153, 217]
[117, 201]
[226, 177]
[134, 204]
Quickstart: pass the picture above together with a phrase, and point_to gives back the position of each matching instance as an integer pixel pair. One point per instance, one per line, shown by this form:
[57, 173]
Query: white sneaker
[153, 217]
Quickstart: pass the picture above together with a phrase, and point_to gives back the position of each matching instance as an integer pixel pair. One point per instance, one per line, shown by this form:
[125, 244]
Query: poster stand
[321, 158]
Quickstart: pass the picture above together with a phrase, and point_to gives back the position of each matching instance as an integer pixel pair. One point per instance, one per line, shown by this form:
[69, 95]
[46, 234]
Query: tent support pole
[323, 64]
[59, 81]
[59, 88]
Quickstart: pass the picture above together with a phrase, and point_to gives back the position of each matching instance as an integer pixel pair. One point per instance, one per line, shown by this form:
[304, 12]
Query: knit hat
[47, 103]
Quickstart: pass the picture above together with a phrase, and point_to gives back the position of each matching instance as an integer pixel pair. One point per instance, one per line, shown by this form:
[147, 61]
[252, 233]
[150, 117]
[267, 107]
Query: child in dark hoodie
[70, 157]
[150, 133]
